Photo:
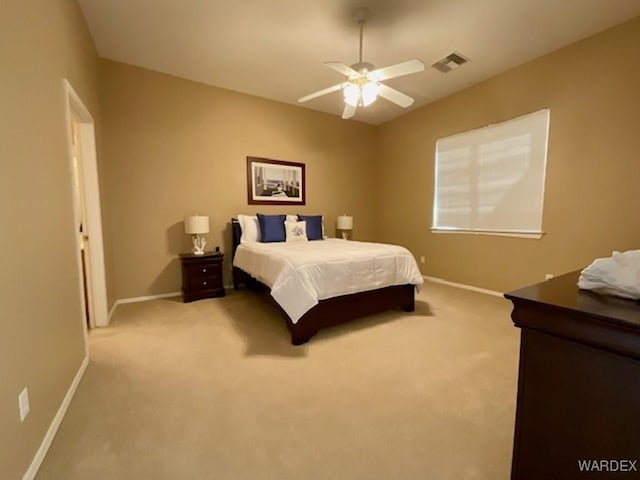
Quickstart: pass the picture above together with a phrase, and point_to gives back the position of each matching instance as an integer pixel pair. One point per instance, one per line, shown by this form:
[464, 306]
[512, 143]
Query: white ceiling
[276, 48]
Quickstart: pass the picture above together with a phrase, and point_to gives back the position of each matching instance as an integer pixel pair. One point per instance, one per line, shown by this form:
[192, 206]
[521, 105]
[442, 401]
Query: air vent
[450, 62]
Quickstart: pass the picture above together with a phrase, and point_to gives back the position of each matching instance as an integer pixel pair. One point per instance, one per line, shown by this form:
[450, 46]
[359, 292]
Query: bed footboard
[337, 310]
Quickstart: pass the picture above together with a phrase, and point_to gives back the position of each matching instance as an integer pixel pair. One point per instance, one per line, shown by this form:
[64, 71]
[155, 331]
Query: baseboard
[31, 472]
[463, 286]
[112, 311]
[140, 299]
[146, 298]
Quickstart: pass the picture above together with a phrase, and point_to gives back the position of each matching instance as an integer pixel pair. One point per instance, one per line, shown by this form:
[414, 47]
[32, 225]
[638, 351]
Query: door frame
[97, 282]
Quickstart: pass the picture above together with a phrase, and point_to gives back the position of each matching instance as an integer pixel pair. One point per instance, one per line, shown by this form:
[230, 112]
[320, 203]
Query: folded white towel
[616, 275]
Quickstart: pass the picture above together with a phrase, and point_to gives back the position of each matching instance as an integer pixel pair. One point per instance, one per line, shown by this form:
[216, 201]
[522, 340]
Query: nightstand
[201, 276]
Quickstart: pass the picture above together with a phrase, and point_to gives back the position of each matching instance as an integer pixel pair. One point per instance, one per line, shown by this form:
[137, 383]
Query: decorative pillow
[314, 226]
[296, 231]
[291, 218]
[250, 228]
[272, 228]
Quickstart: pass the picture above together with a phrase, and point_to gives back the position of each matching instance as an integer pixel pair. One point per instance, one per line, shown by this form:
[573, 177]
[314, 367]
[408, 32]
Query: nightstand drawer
[203, 270]
[198, 282]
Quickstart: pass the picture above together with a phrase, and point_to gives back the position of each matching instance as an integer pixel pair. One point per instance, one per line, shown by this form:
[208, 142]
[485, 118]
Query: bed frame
[332, 311]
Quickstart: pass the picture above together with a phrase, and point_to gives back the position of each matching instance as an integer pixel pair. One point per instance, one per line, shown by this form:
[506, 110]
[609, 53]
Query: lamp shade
[345, 222]
[196, 225]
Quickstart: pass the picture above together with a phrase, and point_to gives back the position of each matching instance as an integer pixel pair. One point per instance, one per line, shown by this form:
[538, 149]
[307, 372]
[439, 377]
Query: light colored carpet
[214, 390]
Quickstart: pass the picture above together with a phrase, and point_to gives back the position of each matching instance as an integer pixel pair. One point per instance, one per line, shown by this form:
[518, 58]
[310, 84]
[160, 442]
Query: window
[491, 180]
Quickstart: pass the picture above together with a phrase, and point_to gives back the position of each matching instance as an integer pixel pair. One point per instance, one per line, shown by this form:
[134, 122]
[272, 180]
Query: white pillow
[296, 231]
[250, 228]
[291, 218]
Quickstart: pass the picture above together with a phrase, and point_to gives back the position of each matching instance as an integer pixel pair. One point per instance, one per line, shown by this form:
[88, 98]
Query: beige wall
[175, 148]
[593, 171]
[41, 334]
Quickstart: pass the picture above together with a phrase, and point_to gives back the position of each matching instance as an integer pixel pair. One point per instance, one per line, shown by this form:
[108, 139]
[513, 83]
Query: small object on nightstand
[202, 276]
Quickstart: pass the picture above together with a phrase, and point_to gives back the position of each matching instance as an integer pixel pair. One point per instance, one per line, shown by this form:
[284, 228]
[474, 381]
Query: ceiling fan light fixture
[369, 92]
[360, 94]
[363, 81]
[351, 94]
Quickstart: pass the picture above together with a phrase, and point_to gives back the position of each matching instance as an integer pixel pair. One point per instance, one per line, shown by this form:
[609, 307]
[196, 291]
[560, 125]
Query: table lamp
[345, 225]
[197, 226]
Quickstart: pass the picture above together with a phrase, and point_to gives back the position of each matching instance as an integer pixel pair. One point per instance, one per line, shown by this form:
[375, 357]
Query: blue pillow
[314, 226]
[272, 228]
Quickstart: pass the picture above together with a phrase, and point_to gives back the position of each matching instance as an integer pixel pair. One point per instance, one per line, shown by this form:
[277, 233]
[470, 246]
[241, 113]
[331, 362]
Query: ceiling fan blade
[395, 96]
[342, 68]
[349, 111]
[319, 93]
[397, 70]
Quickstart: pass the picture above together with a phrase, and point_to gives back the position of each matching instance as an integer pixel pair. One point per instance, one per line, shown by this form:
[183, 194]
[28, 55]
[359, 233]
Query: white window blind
[491, 180]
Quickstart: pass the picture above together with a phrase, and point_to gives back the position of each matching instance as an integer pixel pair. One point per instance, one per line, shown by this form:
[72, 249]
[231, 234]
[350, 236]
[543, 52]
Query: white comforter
[302, 273]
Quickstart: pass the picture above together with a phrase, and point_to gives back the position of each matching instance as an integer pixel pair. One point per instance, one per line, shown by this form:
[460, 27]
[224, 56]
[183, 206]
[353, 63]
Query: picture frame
[275, 182]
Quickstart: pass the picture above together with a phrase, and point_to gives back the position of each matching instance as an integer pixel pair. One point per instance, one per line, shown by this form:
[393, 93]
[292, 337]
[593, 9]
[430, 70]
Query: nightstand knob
[204, 283]
[204, 269]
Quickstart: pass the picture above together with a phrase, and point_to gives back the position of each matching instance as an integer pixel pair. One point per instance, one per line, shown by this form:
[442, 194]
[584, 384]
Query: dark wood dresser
[202, 276]
[578, 385]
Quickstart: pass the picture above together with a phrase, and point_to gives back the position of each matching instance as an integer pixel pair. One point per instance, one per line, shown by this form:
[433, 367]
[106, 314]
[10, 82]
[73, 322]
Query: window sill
[530, 235]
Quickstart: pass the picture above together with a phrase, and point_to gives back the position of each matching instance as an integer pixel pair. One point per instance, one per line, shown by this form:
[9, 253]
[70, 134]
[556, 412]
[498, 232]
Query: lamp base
[198, 245]
[345, 235]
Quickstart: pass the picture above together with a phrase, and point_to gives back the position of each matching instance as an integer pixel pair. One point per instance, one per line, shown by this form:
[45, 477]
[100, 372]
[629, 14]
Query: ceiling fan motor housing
[363, 67]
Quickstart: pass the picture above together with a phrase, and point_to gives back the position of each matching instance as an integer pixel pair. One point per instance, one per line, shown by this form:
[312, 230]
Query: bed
[329, 307]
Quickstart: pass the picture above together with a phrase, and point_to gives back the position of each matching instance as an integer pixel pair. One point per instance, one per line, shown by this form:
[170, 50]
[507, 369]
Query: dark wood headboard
[237, 233]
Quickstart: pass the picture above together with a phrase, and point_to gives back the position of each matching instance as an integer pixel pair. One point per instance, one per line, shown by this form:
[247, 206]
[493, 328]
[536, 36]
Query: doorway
[87, 211]
[80, 214]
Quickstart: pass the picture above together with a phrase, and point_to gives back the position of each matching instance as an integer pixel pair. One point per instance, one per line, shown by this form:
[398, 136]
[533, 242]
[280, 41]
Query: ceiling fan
[363, 86]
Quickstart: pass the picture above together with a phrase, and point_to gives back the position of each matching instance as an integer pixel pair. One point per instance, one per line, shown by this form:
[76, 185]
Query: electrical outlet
[548, 276]
[422, 259]
[23, 404]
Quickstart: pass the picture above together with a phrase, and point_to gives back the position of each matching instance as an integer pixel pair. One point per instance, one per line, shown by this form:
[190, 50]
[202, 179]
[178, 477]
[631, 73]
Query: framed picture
[275, 182]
